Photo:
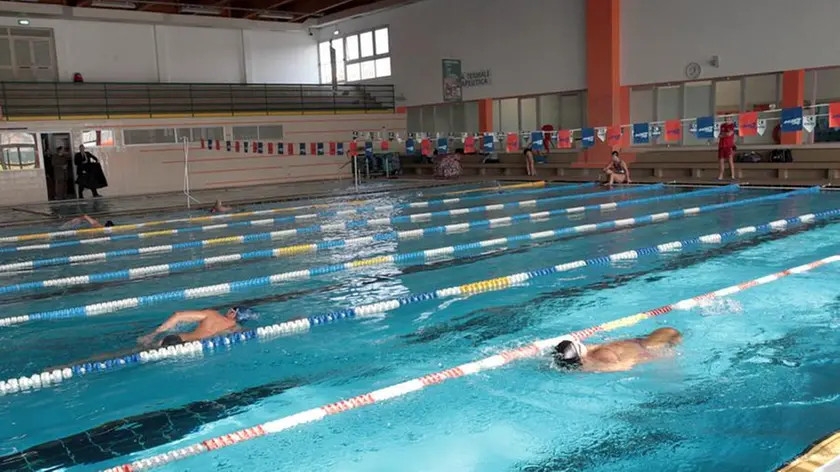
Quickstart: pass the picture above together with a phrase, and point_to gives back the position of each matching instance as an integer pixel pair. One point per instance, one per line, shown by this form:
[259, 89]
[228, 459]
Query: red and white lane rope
[533, 349]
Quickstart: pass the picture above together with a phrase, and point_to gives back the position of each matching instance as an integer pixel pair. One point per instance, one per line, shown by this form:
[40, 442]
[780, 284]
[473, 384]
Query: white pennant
[760, 126]
[809, 122]
[717, 130]
[602, 134]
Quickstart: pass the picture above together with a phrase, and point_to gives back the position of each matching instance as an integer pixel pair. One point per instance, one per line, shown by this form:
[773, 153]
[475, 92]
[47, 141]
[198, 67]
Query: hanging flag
[260, 147]
[312, 149]
[716, 130]
[512, 142]
[601, 132]
[270, 147]
[655, 131]
[355, 135]
[761, 126]
[228, 146]
[354, 148]
[301, 149]
[443, 146]
[488, 143]
[410, 147]
[469, 145]
[749, 124]
[203, 144]
[384, 145]
[537, 140]
[705, 127]
[332, 148]
[290, 149]
[392, 135]
[246, 146]
[368, 148]
[339, 148]
[834, 115]
[209, 144]
[280, 148]
[564, 139]
[809, 122]
[673, 130]
[614, 135]
[237, 146]
[587, 137]
[641, 133]
[791, 119]
[254, 147]
[426, 147]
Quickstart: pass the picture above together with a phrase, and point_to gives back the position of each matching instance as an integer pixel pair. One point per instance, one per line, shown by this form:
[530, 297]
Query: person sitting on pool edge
[616, 356]
[617, 171]
[79, 221]
[210, 323]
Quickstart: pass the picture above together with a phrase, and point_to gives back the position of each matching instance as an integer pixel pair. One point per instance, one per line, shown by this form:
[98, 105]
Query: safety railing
[56, 100]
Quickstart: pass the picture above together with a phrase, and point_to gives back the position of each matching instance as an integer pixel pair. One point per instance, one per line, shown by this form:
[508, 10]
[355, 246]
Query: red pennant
[748, 124]
[564, 139]
[254, 147]
[313, 149]
[218, 145]
[614, 135]
[512, 142]
[469, 145]
[426, 147]
[332, 149]
[384, 145]
[236, 146]
[834, 115]
[290, 149]
[673, 130]
[271, 148]
[203, 144]
[353, 148]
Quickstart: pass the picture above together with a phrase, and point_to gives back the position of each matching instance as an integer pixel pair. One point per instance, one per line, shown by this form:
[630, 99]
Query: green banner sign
[452, 80]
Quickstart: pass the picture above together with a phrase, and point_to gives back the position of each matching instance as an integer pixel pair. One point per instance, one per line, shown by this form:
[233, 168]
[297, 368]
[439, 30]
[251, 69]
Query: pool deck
[41, 213]
[823, 456]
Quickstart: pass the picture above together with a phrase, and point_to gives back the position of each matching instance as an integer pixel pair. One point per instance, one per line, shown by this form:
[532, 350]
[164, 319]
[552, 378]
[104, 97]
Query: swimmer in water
[617, 356]
[85, 219]
[210, 323]
[219, 207]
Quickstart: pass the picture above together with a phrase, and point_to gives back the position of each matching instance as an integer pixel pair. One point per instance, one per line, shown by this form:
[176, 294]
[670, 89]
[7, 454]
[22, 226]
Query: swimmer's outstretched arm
[173, 321]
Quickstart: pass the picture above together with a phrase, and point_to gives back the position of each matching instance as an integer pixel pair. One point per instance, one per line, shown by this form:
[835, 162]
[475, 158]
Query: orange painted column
[607, 102]
[485, 115]
[793, 95]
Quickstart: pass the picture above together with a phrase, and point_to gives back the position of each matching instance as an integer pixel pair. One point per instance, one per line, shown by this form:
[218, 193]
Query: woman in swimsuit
[529, 161]
[617, 171]
[616, 356]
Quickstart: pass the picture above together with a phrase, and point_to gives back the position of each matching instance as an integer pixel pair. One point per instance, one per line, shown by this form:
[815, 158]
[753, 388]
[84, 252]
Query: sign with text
[476, 79]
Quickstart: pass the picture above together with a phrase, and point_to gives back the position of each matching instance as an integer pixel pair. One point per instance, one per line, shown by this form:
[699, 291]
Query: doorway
[58, 166]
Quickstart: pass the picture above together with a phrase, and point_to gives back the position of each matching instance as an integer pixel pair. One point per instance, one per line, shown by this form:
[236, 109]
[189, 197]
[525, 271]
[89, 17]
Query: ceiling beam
[328, 5]
[255, 14]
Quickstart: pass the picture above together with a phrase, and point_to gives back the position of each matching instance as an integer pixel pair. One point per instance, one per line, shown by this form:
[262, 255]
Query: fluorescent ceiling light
[23, 22]
[114, 4]
[277, 16]
[200, 10]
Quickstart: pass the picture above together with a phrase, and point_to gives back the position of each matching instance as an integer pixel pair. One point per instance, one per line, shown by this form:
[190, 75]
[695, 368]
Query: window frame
[343, 64]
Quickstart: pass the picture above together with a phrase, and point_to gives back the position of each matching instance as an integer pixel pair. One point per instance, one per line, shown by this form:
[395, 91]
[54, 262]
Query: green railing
[62, 100]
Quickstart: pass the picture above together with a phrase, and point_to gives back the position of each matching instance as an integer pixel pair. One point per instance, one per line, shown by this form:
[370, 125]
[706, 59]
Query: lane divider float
[312, 216]
[537, 184]
[226, 216]
[531, 350]
[183, 266]
[48, 378]
[346, 225]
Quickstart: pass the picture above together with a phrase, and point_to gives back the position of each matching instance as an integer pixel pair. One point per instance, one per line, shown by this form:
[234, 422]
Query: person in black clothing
[87, 171]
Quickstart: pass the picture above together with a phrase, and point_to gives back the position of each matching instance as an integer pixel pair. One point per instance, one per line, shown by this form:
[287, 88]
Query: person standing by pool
[726, 147]
[617, 356]
[530, 170]
[210, 323]
[617, 171]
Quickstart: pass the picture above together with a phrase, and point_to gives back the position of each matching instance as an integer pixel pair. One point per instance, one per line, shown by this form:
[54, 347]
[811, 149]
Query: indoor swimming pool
[387, 300]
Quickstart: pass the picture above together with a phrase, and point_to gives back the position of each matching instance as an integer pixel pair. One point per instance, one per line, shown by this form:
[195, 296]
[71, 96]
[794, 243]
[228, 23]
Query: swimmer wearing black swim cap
[616, 356]
[210, 323]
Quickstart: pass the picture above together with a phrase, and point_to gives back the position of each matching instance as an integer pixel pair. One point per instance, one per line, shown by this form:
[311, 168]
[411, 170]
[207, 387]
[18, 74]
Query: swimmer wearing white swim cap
[616, 356]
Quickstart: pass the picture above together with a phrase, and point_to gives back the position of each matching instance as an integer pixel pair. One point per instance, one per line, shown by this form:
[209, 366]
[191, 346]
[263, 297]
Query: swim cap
[244, 313]
[569, 354]
[109, 223]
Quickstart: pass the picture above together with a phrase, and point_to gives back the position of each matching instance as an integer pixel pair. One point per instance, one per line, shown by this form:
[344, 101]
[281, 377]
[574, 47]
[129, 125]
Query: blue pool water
[751, 387]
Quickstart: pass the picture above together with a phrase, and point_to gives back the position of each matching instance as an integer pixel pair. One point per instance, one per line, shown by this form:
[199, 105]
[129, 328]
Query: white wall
[531, 46]
[660, 37]
[126, 52]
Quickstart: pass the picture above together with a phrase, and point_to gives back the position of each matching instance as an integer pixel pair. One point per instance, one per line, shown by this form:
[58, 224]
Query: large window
[134, 137]
[17, 151]
[361, 56]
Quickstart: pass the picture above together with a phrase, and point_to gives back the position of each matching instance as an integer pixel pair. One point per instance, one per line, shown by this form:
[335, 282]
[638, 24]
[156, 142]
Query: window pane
[338, 45]
[366, 42]
[383, 67]
[216, 132]
[89, 138]
[149, 136]
[245, 132]
[727, 96]
[340, 74]
[326, 74]
[668, 103]
[352, 47]
[270, 132]
[368, 70]
[641, 105]
[509, 109]
[528, 113]
[354, 73]
[324, 52]
[27, 157]
[760, 93]
[698, 96]
[381, 37]
[571, 111]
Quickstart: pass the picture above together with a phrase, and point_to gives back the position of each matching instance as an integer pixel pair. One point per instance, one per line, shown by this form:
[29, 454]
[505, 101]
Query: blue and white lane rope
[341, 225]
[266, 281]
[347, 225]
[226, 216]
[182, 266]
[533, 349]
[45, 379]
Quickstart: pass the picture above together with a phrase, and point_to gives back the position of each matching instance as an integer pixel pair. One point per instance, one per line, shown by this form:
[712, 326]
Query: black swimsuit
[617, 168]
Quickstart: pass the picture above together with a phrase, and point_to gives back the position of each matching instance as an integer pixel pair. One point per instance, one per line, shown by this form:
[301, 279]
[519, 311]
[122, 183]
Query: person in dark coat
[88, 172]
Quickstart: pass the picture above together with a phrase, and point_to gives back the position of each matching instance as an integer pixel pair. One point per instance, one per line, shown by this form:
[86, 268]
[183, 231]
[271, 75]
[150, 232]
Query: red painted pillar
[793, 95]
[607, 102]
[485, 115]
